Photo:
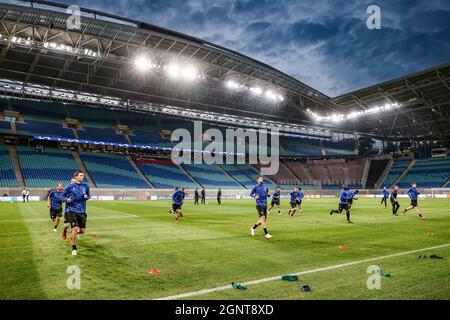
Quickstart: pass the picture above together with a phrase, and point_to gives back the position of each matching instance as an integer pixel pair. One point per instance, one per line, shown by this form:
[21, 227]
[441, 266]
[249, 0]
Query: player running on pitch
[413, 195]
[54, 203]
[177, 202]
[260, 193]
[344, 197]
[296, 198]
[353, 196]
[276, 200]
[394, 201]
[75, 196]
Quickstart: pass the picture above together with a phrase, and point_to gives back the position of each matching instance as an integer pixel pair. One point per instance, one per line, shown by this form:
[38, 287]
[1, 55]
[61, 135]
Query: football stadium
[137, 162]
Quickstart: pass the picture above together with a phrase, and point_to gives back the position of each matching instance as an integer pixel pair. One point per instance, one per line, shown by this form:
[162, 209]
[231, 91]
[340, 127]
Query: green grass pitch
[212, 246]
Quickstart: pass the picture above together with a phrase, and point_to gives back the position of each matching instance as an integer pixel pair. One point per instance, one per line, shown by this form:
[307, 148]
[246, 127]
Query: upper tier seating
[5, 127]
[112, 171]
[300, 146]
[7, 175]
[98, 132]
[45, 169]
[343, 147]
[43, 127]
[166, 175]
[427, 173]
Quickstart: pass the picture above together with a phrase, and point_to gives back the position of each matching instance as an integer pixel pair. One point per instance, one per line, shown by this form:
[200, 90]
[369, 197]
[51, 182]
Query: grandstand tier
[47, 168]
[112, 171]
[7, 175]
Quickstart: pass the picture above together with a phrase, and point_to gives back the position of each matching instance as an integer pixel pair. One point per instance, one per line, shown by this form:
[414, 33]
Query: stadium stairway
[384, 174]
[186, 172]
[16, 165]
[139, 171]
[290, 170]
[80, 163]
[365, 172]
[230, 176]
[400, 177]
[446, 184]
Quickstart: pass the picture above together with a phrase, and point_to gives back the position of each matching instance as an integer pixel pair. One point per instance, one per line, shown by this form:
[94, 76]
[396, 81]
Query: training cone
[343, 247]
[430, 233]
[154, 271]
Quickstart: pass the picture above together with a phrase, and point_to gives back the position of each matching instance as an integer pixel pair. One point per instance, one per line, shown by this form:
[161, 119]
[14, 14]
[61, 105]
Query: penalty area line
[337, 266]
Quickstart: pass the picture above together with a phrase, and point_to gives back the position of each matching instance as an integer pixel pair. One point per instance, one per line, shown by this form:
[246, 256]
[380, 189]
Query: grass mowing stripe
[337, 266]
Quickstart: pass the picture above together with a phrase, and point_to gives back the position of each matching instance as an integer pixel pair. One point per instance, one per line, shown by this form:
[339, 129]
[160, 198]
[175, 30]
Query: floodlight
[143, 63]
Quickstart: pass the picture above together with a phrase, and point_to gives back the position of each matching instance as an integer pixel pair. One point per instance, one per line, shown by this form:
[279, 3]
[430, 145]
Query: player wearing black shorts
[276, 200]
[394, 201]
[75, 195]
[54, 203]
[414, 196]
[344, 196]
[260, 193]
[177, 202]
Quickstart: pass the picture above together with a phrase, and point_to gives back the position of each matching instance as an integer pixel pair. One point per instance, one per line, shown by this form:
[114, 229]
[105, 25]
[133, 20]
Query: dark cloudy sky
[324, 43]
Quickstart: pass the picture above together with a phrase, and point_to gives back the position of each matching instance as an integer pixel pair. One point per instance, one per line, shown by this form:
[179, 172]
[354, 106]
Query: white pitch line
[337, 266]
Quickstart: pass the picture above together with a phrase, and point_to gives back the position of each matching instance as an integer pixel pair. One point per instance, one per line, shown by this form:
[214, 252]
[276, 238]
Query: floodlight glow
[270, 95]
[173, 70]
[232, 84]
[189, 73]
[256, 90]
[142, 63]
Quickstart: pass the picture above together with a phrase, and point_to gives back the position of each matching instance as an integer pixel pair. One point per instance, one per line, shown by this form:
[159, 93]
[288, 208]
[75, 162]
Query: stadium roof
[36, 47]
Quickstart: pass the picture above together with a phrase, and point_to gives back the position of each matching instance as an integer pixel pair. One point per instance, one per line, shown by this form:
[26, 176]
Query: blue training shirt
[178, 197]
[75, 192]
[261, 191]
[385, 193]
[293, 196]
[344, 196]
[413, 193]
[55, 199]
[276, 197]
[300, 195]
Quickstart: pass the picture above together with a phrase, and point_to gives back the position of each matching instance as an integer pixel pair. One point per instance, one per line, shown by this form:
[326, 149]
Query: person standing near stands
[385, 197]
[196, 196]
[394, 201]
[24, 194]
[27, 194]
[203, 193]
[219, 196]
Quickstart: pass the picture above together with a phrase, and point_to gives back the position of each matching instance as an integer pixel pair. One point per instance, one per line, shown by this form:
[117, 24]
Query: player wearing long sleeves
[296, 198]
[75, 196]
[260, 193]
[177, 202]
[385, 197]
[414, 196]
[344, 197]
[394, 201]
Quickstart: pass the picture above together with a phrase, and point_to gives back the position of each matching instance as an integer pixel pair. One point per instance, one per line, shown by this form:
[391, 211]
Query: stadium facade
[105, 95]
